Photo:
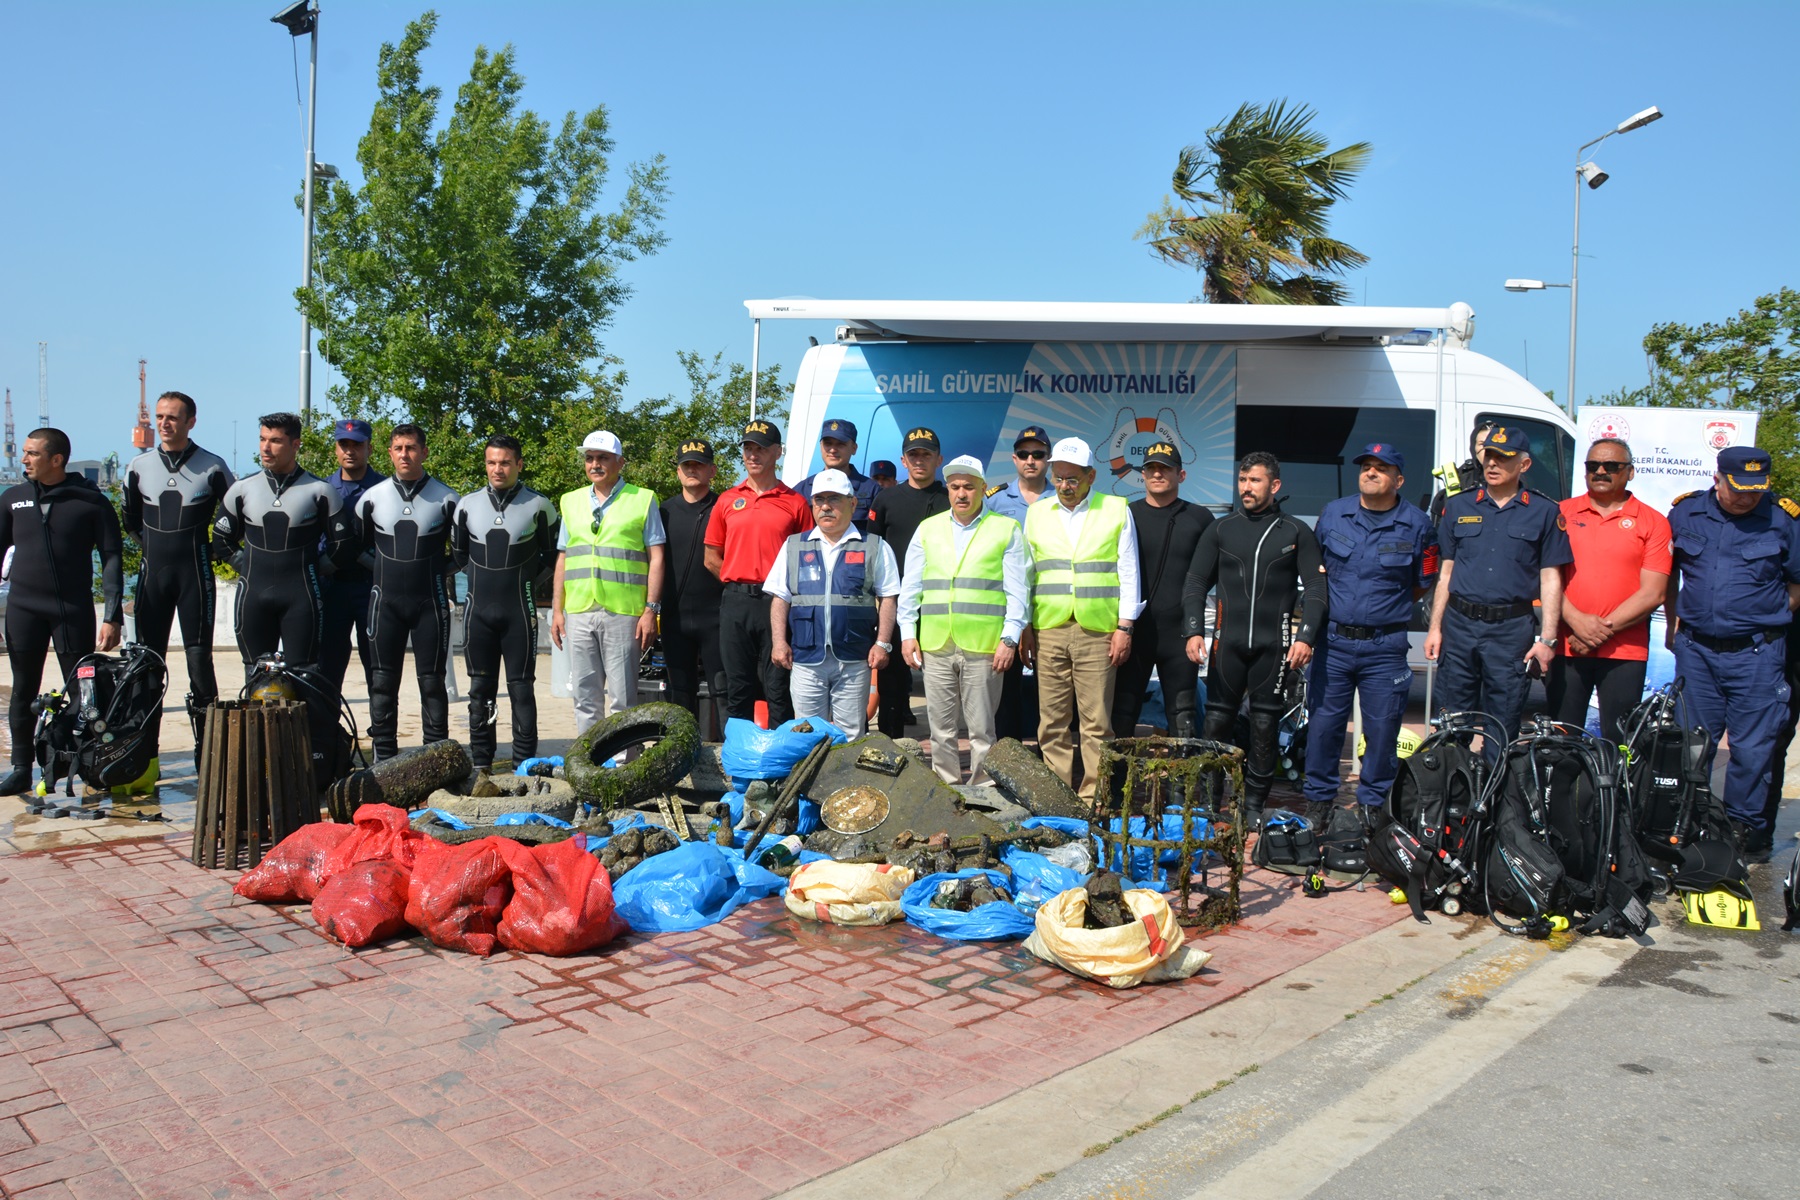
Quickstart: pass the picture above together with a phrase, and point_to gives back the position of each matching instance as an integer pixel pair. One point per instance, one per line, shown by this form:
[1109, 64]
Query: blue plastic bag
[1031, 869]
[752, 752]
[988, 923]
[1074, 826]
[531, 818]
[437, 816]
[691, 886]
[524, 768]
[1169, 829]
[805, 821]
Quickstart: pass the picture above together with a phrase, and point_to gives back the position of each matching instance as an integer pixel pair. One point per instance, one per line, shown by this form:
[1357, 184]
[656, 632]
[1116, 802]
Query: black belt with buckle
[1732, 645]
[1366, 633]
[1491, 613]
[748, 589]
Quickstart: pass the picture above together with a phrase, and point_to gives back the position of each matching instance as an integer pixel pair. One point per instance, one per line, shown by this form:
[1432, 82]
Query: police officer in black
[504, 537]
[1168, 530]
[169, 497]
[897, 514]
[691, 594]
[55, 524]
[1494, 615]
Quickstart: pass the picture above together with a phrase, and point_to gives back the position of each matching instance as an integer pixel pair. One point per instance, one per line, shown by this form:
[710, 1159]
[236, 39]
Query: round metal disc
[854, 809]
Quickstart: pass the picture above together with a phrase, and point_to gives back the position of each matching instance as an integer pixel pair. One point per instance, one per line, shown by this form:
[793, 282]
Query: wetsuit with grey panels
[168, 506]
[505, 541]
[407, 524]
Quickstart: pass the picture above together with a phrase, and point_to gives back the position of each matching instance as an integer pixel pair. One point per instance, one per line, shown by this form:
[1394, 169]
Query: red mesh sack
[458, 893]
[381, 834]
[363, 903]
[562, 900]
[294, 871]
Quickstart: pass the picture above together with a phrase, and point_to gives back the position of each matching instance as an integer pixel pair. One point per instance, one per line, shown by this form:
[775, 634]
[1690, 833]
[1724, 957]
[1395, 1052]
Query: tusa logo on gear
[1131, 438]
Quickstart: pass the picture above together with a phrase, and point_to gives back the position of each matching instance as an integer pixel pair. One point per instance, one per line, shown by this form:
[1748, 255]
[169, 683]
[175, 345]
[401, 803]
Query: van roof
[1059, 321]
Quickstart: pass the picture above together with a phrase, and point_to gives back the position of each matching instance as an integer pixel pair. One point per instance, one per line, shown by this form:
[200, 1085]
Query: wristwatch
[1126, 629]
[1544, 641]
[653, 606]
[886, 647]
[1010, 643]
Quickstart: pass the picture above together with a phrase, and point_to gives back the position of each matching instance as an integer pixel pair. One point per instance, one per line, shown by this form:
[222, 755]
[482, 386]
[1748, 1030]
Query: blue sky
[961, 151]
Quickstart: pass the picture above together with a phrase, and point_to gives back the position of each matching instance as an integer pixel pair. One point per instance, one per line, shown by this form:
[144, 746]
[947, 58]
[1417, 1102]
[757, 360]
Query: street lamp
[301, 19]
[1589, 172]
[1530, 285]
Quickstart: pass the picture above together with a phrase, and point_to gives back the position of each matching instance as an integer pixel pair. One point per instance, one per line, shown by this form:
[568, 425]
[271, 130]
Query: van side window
[1552, 453]
[1316, 445]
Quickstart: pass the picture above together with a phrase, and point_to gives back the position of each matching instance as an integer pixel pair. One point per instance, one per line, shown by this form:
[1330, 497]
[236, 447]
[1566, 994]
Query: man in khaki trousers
[964, 600]
[1085, 599]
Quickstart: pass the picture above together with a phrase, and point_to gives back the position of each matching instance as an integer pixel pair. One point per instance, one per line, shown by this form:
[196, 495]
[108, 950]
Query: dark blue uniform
[1374, 561]
[862, 487]
[1730, 647]
[1492, 617]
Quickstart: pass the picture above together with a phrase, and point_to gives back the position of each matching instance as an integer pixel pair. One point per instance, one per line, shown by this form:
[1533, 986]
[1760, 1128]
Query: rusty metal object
[1201, 784]
[855, 809]
[404, 781]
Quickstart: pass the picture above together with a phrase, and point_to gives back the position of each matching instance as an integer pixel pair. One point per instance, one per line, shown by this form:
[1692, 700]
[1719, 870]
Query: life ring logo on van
[1133, 437]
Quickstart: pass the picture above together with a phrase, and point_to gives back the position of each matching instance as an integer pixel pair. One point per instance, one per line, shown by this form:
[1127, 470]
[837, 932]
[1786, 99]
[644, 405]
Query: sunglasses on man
[1033, 455]
[1605, 467]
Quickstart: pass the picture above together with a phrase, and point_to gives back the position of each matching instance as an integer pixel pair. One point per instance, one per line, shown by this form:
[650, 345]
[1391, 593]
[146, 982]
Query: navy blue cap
[1385, 452]
[1745, 468]
[881, 468]
[843, 431]
[352, 429]
[1506, 439]
[1032, 433]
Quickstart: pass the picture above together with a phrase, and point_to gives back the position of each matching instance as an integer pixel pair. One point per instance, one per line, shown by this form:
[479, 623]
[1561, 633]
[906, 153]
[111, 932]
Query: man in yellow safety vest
[965, 598]
[609, 579]
[1085, 599]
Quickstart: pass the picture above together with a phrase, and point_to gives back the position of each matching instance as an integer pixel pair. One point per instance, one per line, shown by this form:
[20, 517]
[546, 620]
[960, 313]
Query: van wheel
[672, 740]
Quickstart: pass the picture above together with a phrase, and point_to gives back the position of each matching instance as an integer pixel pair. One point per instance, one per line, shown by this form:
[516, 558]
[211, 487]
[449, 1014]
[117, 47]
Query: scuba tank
[103, 726]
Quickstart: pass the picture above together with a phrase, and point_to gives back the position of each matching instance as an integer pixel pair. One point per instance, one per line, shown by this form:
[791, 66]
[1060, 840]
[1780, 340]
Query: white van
[1313, 385]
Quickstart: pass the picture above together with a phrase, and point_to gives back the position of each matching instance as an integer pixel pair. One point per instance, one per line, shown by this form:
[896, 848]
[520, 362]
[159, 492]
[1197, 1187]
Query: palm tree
[1253, 203]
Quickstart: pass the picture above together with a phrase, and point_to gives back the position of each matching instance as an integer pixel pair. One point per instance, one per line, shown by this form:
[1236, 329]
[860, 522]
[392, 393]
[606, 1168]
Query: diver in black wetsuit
[505, 538]
[169, 497]
[406, 520]
[279, 516]
[55, 522]
[1260, 559]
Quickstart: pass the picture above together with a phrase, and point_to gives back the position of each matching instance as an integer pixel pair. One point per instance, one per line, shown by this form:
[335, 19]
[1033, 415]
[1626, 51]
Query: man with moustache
[837, 447]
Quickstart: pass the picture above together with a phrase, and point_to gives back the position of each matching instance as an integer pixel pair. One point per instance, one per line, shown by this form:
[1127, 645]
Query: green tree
[466, 282]
[1751, 360]
[1251, 209]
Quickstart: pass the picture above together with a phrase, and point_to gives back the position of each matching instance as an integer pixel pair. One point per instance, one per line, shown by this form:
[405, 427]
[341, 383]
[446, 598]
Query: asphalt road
[1577, 1068]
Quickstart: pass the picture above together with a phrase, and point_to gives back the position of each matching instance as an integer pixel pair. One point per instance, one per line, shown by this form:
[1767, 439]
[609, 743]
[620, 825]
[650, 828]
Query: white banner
[1675, 449]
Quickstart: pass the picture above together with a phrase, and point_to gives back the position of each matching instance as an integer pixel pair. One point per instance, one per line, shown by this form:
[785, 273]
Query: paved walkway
[162, 1036]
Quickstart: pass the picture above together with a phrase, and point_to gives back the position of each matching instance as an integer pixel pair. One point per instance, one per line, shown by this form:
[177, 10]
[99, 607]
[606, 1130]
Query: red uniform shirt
[1610, 552]
[751, 527]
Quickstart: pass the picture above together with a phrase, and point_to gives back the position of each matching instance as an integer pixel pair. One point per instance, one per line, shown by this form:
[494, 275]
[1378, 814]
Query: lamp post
[302, 19]
[1590, 173]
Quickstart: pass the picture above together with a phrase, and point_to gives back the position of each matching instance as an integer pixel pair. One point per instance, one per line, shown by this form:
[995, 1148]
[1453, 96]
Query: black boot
[18, 783]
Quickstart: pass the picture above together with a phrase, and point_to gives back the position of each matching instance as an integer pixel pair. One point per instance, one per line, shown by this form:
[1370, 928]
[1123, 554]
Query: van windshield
[1318, 445]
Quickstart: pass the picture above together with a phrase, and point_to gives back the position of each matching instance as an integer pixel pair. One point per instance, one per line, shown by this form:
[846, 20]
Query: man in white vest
[964, 603]
[1085, 599]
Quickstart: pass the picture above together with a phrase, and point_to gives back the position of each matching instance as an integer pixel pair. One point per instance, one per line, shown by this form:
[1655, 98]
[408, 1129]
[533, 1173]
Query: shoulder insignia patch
[1683, 496]
[996, 489]
[1562, 523]
[1788, 507]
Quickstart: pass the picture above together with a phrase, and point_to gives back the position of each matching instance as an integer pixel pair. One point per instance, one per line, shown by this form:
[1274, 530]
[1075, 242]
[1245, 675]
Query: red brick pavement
[161, 1037]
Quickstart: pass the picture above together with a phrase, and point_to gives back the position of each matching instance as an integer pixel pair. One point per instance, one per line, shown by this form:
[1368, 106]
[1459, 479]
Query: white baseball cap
[1072, 450]
[830, 481]
[600, 439]
[965, 464]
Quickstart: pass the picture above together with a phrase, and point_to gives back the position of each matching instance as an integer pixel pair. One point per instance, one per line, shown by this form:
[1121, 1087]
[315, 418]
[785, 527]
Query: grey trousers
[961, 689]
[603, 664]
[833, 689]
